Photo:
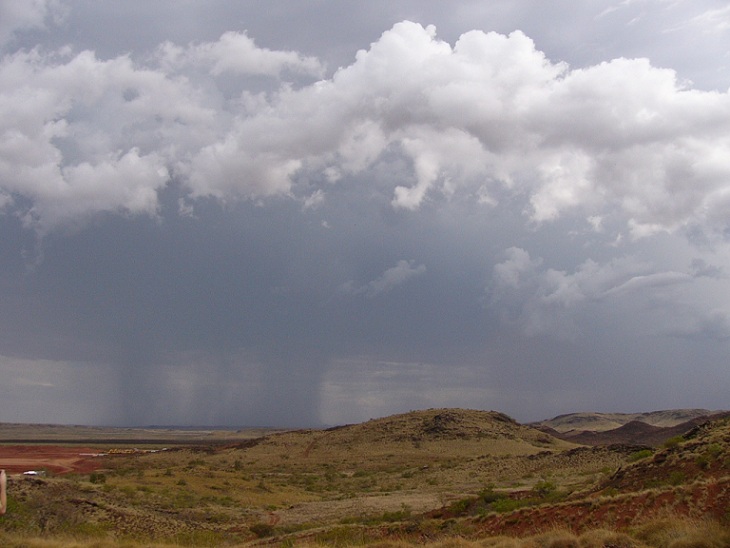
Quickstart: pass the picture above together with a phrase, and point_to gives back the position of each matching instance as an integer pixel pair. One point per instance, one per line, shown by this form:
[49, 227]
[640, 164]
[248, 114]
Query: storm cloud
[227, 226]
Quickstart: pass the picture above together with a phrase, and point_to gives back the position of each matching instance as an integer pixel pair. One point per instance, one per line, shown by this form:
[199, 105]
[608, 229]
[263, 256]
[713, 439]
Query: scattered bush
[261, 529]
[714, 450]
[489, 495]
[703, 461]
[95, 477]
[390, 517]
[638, 455]
[507, 505]
[676, 478]
[460, 507]
[545, 488]
[673, 442]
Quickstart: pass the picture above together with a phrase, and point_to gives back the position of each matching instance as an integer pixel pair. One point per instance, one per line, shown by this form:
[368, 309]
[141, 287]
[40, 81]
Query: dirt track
[16, 459]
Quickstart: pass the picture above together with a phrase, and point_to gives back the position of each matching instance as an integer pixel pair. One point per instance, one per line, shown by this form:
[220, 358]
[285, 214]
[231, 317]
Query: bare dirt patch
[16, 459]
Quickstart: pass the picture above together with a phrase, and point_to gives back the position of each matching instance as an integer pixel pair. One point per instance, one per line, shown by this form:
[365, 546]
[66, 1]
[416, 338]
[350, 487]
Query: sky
[243, 213]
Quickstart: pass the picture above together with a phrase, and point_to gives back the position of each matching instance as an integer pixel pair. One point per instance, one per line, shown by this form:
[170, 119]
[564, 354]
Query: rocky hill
[639, 428]
[601, 422]
[418, 437]
[438, 425]
[687, 480]
[702, 454]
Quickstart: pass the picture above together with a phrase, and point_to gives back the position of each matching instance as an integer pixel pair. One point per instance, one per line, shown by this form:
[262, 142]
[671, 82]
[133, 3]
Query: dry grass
[658, 534]
[375, 484]
[674, 533]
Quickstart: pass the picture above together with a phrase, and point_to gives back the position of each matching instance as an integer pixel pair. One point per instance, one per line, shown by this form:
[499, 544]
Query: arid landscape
[447, 477]
[386, 273]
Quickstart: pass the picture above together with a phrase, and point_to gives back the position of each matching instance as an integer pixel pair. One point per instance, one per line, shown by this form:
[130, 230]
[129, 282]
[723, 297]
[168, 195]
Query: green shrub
[97, 478]
[676, 478]
[673, 442]
[714, 450]
[545, 488]
[507, 505]
[390, 517]
[638, 455]
[261, 529]
[461, 507]
[489, 496]
[702, 461]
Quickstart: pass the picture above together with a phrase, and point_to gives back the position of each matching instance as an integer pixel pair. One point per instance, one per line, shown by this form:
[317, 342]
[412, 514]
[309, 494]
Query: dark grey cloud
[323, 212]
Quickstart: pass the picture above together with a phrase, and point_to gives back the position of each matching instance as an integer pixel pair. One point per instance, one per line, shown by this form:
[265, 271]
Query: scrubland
[436, 478]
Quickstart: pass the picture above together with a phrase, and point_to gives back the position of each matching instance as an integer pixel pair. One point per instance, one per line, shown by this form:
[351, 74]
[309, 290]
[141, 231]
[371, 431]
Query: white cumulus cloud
[236, 52]
[488, 116]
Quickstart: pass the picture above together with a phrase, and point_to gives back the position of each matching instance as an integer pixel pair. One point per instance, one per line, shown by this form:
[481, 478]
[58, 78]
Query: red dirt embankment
[16, 459]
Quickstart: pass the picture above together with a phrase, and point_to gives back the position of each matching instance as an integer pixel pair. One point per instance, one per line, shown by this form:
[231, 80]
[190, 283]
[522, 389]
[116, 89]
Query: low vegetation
[437, 478]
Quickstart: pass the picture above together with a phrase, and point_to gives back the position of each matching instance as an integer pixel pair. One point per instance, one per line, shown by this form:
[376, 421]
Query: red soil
[16, 459]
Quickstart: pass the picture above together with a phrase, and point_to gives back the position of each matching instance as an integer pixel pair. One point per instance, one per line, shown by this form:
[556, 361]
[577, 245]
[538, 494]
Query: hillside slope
[415, 437]
[689, 479]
